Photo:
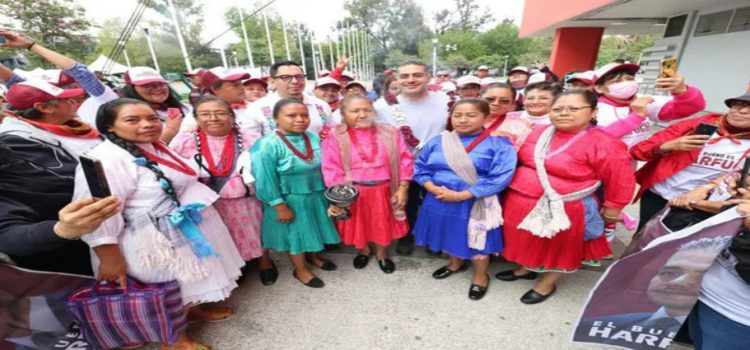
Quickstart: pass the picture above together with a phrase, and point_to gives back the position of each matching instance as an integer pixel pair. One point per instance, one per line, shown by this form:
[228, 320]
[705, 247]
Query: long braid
[150, 164]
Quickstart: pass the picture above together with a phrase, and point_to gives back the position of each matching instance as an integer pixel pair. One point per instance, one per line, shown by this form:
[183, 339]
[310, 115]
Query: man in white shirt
[425, 115]
[289, 82]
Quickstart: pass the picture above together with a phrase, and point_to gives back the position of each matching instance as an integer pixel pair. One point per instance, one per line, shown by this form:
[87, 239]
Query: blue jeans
[710, 330]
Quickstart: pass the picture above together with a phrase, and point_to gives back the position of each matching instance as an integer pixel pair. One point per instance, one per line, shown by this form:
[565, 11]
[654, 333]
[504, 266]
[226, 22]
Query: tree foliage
[57, 24]
[465, 16]
[627, 47]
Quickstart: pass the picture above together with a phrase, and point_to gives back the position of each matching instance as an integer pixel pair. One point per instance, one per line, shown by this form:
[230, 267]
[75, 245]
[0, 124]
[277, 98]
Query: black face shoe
[387, 265]
[360, 261]
[327, 265]
[315, 282]
[509, 276]
[532, 297]
[269, 276]
[477, 292]
[445, 272]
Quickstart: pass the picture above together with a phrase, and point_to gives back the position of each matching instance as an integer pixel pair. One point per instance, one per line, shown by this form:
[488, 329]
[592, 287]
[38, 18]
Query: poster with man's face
[643, 299]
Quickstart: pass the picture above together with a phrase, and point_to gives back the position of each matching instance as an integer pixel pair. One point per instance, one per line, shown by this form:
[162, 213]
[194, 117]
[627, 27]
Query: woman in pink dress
[375, 159]
[553, 220]
[500, 96]
[218, 145]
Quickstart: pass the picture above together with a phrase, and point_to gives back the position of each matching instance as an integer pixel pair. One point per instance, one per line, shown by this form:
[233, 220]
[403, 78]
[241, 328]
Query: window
[741, 20]
[675, 25]
[713, 23]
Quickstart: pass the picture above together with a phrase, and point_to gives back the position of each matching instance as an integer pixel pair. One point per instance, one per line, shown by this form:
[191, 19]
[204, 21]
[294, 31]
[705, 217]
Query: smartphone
[705, 129]
[2, 39]
[745, 169]
[668, 68]
[97, 181]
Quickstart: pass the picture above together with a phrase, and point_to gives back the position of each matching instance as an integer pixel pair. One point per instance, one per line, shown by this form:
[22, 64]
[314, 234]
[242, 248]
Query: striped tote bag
[112, 317]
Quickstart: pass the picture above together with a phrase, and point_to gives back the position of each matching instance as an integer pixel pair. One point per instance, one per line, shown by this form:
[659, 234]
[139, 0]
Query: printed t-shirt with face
[262, 109]
[714, 160]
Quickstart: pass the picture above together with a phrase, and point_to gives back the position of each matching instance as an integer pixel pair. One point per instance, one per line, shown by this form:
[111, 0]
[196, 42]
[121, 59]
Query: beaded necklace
[308, 156]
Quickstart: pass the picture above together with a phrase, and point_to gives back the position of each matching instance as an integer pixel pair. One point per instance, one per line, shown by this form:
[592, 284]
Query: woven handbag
[112, 317]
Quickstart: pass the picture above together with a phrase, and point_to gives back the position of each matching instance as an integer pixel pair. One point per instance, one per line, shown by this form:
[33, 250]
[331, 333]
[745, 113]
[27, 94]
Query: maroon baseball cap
[24, 95]
[193, 73]
[260, 81]
[214, 75]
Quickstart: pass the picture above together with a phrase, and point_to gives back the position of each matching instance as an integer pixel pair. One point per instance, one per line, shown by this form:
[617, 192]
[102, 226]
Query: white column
[223, 57]
[301, 48]
[173, 11]
[286, 41]
[127, 59]
[151, 48]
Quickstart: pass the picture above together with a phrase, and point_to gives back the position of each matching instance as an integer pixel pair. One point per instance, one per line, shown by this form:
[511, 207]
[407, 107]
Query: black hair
[499, 85]
[544, 86]
[618, 60]
[283, 102]
[591, 98]
[479, 103]
[105, 118]
[387, 84]
[33, 113]
[416, 63]
[209, 99]
[172, 100]
[275, 68]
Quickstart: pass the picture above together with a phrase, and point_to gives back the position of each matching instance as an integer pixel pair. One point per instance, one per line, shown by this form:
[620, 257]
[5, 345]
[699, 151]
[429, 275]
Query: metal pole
[338, 42]
[314, 61]
[301, 48]
[127, 59]
[366, 56]
[247, 42]
[434, 56]
[173, 11]
[330, 51]
[360, 57]
[286, 41]
[223, 57]
[236, 62]
[322, 58]
[353, 50]
[268, 36]
[505, 66]
[344, 46]
[151, 48]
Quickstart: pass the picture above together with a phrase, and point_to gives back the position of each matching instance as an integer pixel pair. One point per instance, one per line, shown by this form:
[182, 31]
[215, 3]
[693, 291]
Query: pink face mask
[623, 90]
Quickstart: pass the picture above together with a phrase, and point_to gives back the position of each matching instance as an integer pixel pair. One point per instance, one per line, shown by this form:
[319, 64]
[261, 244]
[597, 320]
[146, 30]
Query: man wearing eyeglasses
[226, 84]
[420, 115]
[442, 76]
[289, 82]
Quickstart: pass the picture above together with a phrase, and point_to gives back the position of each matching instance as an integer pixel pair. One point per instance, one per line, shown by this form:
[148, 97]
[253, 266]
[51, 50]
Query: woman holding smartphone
[168, 229]
[679, 160]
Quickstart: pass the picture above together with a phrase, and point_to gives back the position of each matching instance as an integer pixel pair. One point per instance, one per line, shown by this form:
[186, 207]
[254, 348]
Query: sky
[319, 18]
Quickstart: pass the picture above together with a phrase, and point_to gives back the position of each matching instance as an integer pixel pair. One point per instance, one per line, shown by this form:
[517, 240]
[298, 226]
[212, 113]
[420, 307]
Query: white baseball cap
[483, 68]
[521, 69]
[468, 79]
[324, 73]
[611, 67]
[586, 77]
[217, 74]
[348, 74]
[326, 81]
[487, 81]
[142, 76]
[447, 86]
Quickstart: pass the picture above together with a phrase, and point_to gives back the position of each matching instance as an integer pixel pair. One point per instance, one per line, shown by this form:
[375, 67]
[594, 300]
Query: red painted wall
[540, 14]
[575, 48]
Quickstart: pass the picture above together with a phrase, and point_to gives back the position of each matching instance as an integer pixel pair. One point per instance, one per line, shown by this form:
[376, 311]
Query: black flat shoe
[387, 265]
[360, 261]
[269, 276]
[445, 271]
[509, 276]
[327, 265]
[405, 245]
[315, 282]
[532, 297]
[477, 292]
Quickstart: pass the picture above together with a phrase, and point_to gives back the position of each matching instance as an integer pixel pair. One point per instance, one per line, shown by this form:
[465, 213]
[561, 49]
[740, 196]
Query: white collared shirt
[262, 109]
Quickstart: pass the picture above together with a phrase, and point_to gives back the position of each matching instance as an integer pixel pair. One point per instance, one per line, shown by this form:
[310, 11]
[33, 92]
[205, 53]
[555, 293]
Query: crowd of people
[536, 170]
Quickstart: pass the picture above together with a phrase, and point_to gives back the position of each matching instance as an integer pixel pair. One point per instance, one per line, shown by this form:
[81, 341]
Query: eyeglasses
[217, 114]
[413, 75]
[442, 75]
[498, 100]
[739, 105]
[570, 109]
[288, 78]
[154, 86]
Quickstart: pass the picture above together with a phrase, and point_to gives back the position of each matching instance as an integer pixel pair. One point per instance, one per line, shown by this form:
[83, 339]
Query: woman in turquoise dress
[289, 182]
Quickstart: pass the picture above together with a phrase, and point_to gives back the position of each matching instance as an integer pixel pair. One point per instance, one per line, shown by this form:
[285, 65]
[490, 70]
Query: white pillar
[330, 52]
[301, 49]
[127, 59]
[173, 11]
[247, 42]
[286, 41]
[223, 57]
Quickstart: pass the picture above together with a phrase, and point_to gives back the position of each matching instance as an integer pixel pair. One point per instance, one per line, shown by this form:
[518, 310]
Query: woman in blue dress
[463, 172]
